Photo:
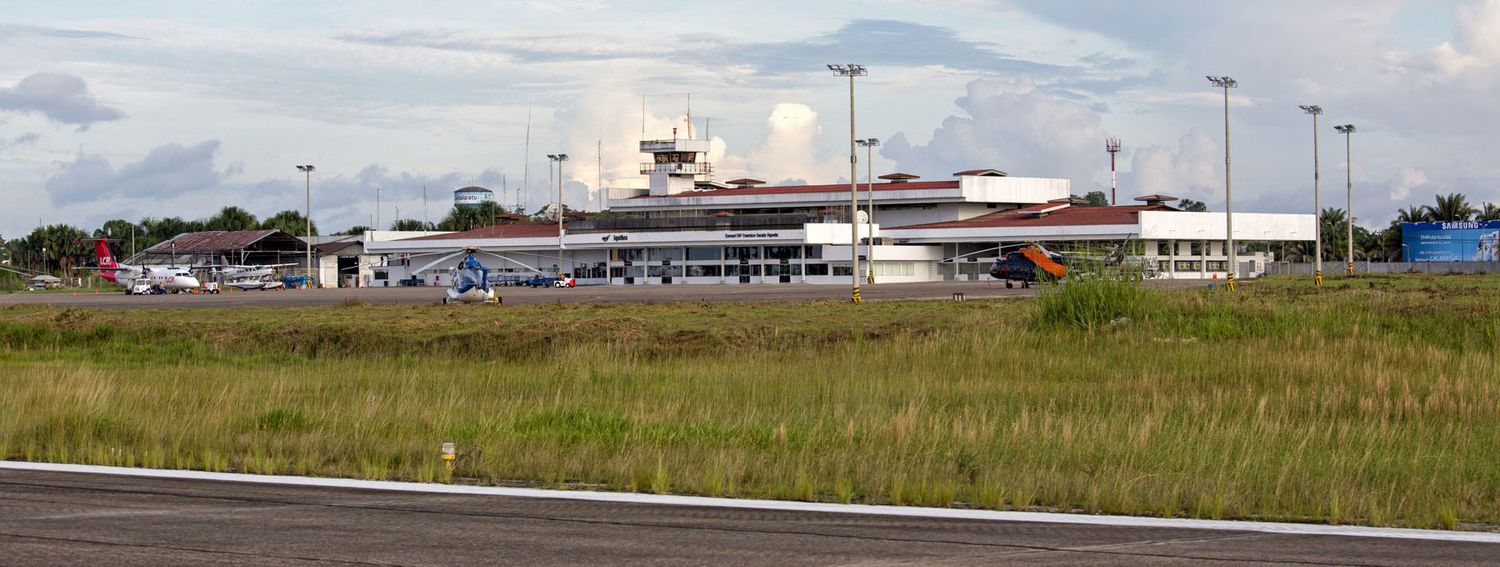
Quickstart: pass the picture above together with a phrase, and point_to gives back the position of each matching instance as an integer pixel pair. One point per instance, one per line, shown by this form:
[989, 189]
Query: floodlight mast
[1226, 83]
[869, 145]
[1346, 130]
[1315, 111]
[559, 158]
[308, 170]
[852, 70]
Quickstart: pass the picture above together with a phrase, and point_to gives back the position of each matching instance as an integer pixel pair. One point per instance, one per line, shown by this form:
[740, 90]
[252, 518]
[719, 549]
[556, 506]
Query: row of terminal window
[716, 253]
[755, 270]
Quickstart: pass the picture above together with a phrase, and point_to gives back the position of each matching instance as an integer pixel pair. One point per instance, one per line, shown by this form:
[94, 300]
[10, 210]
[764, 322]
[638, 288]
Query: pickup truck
[143, 288]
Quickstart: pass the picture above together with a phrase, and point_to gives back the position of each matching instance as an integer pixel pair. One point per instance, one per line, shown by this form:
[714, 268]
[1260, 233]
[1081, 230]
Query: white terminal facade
[685, 229]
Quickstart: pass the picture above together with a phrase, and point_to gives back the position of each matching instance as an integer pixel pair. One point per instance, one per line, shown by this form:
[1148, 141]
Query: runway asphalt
[113, 298]
[54, 518]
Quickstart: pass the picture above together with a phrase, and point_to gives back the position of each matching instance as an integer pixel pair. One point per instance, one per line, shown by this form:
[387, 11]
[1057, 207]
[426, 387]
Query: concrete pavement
[67, 518]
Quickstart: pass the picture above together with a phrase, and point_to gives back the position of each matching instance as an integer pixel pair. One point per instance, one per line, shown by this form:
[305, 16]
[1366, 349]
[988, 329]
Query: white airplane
[248, 277]
[142, 279]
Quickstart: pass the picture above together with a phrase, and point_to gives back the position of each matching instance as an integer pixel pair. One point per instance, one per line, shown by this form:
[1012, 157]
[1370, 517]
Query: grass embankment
[1377, 402]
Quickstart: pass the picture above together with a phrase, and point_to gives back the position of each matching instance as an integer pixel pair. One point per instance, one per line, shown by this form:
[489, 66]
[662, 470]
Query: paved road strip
[781, 505]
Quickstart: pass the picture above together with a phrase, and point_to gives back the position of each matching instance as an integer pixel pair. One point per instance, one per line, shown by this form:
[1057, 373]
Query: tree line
[56, 249]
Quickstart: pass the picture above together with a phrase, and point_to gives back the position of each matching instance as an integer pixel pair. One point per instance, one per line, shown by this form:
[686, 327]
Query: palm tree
[1334, 227]
[467, 217]
[1490, 212]
[1411, 213]
[290, 222]
[1452, 208]
[232, 218]
[411, 225]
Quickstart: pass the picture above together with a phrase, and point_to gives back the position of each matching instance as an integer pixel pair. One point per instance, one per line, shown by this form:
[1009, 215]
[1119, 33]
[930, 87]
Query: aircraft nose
[188, 281]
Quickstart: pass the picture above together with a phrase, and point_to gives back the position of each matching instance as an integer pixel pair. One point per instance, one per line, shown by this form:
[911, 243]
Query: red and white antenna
[1112, 145]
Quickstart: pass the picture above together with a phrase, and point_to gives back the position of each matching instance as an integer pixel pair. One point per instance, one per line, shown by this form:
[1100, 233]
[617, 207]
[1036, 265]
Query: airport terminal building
[686, 230]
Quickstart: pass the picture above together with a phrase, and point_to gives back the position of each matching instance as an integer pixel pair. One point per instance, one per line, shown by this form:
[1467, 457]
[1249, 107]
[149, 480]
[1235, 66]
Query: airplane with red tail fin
[141, 279]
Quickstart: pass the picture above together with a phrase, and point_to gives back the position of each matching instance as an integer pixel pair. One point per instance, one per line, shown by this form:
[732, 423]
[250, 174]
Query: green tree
[232, 218]
[1333, 224]
[1096, 199]
[411, 225]
[1451, 208]
[290, 222]
[1192, 206]
[356, 230]
[468, 217]
[54, 249]
[1489, 212]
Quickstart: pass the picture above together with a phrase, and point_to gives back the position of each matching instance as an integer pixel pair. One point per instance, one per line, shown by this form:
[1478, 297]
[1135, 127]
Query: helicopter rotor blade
[438, 261]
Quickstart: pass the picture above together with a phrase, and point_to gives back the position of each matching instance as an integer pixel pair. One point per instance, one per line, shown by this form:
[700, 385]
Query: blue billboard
[1462, 241]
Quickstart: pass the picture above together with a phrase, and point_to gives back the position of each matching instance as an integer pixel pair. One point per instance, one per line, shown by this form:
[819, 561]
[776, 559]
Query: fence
[1334, 267]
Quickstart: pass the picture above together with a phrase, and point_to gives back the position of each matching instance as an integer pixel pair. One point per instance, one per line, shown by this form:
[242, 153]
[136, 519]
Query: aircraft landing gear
[445, 301]
[1009, 285]
[1025, 285]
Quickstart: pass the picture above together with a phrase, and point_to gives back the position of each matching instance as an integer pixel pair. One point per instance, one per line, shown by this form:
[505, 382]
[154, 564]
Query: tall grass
[1100, 296]
[1350, 406]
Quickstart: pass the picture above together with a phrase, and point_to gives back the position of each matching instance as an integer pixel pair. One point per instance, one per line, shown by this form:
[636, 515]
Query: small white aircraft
[142, 279]
[248, 277]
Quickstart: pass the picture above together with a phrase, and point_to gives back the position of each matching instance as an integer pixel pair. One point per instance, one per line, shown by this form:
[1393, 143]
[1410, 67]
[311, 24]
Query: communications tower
[1112, 145]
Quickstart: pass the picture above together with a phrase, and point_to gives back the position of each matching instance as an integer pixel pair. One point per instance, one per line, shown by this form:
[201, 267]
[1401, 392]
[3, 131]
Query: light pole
[1227, 83]
[869, 145]
[1316, 110]
[852, 70]
[308, 169]
[1346, 130]
[559, 158]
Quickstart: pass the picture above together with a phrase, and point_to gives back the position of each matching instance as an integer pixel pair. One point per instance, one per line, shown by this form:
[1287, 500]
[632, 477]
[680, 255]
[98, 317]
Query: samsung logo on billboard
[1459, 225]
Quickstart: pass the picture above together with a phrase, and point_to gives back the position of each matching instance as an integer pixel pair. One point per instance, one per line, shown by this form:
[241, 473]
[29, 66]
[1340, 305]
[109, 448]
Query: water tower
[472, 196]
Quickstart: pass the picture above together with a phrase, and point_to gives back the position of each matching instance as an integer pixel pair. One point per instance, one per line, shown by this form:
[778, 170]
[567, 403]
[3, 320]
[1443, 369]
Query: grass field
[1375, 400]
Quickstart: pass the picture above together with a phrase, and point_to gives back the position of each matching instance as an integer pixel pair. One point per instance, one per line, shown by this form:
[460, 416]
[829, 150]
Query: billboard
[1462, 241]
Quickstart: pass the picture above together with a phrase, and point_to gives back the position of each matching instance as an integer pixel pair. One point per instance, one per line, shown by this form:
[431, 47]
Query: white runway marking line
[778, 505]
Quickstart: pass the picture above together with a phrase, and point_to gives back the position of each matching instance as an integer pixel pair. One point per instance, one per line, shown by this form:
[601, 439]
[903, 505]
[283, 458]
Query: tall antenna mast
[526, 166]
[599, 156]
[424, 205]
[1112, 145]
[643, 117]
[690, 115]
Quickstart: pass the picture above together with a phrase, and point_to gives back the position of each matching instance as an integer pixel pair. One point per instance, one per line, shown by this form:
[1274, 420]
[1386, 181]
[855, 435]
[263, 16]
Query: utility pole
[1347, 130]
[1316, 110]
[377, 209]
[1227, 83]
[852, 70]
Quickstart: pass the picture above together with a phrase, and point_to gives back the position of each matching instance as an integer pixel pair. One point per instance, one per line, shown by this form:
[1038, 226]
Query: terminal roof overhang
[1061, 221]
[795, 195]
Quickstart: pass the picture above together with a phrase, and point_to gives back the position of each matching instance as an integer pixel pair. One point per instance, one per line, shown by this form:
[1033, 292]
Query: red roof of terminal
[514, 230]
[1067, 216]
[801, 189]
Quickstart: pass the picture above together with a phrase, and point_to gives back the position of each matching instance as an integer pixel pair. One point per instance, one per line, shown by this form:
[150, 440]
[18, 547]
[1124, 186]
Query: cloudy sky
[179, 108]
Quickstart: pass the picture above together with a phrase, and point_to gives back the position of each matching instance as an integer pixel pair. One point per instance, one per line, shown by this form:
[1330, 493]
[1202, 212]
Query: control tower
[675, 164]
